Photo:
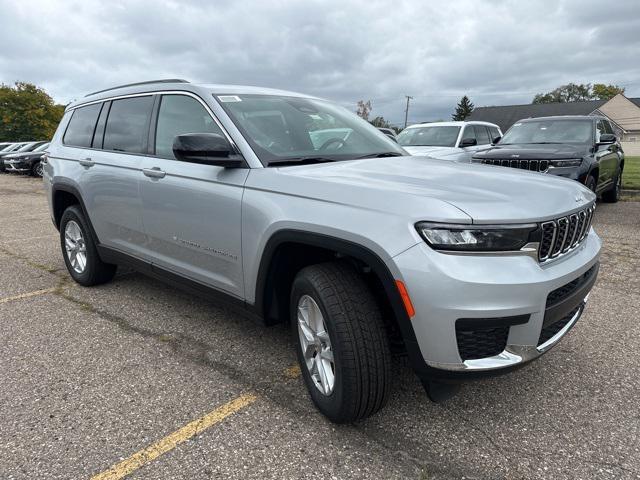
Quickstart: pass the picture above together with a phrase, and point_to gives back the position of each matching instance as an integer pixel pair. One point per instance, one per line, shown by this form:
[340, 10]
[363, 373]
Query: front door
[192, 212]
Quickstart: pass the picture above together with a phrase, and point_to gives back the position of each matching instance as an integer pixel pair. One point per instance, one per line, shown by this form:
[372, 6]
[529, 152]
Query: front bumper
[16, 166]
[510, 293]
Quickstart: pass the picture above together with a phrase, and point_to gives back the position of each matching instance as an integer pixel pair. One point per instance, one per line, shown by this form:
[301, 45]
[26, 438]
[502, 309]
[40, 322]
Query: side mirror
[468, 142]
[207, 149]
[496, 140]
[607, 139]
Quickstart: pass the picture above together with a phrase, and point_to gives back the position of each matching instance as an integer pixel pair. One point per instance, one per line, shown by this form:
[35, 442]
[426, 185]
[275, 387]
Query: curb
[630, 193]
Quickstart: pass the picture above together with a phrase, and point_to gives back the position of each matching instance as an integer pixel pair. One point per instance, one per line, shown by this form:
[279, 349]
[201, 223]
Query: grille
[564, 291]
[532, 165]
[563, 234]
[481, 343]
[550, 331]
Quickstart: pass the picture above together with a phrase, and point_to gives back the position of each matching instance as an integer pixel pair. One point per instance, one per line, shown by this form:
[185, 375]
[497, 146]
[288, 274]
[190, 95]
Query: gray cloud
[497, 52]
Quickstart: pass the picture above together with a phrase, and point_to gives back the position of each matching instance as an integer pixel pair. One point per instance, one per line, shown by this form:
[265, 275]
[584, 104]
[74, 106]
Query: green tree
[463, 109]
[380, 122]
[578, 92]
[27, 113]
[605, 92]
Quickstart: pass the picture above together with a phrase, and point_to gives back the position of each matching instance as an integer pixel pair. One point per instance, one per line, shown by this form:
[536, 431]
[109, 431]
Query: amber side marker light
[408, 306]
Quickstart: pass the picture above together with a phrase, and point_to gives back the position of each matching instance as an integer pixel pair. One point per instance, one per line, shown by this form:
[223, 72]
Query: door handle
[87, 162]
[154, 172]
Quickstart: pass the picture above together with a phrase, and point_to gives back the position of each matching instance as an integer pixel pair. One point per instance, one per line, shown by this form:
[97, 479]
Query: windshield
[41, 147]
[280, 128]
[7, 148]
[429, 136]
[27, 147]
[549, 131]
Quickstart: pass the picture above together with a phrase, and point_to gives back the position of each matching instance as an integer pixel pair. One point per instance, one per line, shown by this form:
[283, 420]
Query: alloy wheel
[75, 246]
[316, 345]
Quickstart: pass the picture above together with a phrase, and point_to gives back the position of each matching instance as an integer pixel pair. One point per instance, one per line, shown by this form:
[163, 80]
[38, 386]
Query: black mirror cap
[496, 140]
[468, 142]
[607, 138]
[207, 149]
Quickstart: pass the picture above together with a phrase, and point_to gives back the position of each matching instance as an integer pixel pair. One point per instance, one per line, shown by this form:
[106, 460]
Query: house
[623, 112]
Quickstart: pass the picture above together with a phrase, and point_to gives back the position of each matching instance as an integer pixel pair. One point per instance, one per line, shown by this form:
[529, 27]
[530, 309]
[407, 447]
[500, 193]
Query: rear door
[112, 171]
[192, 212]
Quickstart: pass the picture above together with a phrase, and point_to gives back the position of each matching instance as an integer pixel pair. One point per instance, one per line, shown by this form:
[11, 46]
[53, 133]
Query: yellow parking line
[171, 441]
[27, 295]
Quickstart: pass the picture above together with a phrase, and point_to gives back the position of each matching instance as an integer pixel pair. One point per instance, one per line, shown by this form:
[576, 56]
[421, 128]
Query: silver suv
[296, 210]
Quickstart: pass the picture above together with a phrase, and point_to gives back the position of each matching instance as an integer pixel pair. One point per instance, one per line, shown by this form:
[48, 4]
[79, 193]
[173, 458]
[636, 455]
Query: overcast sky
[498, 52]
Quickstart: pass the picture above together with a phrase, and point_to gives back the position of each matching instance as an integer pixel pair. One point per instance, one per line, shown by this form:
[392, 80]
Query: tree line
[27, 112]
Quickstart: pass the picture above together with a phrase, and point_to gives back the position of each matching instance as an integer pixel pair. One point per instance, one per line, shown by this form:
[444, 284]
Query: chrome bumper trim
[512, 354]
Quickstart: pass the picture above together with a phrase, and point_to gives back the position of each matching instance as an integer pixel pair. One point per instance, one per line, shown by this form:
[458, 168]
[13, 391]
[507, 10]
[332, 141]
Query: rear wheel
[80, 252]
[613, 194]
[341, 342]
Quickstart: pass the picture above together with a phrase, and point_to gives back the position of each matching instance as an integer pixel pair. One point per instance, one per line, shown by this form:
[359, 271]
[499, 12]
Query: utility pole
[406, 111]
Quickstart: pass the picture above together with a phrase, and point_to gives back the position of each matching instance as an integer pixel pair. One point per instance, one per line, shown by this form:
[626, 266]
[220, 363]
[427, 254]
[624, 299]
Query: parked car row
[581, 147]
[23, 157]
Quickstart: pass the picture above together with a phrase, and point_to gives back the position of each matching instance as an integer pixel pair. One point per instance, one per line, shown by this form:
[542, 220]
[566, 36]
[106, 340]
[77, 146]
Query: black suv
[583, 148]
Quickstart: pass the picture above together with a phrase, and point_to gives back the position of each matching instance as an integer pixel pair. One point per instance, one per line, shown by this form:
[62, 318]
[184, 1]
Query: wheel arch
[288, 251]
[63, 196]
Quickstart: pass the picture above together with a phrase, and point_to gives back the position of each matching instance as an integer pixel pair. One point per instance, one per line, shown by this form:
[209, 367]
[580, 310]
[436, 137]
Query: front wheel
[36, 169]
[341, 342]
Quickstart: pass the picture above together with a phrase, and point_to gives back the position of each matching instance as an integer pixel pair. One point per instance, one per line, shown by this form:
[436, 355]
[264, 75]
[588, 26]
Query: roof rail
[166, 80]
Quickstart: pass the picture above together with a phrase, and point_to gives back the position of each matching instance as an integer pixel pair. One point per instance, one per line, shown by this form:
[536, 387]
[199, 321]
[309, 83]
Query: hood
[528, 151]
[434, 190]
[432, 151]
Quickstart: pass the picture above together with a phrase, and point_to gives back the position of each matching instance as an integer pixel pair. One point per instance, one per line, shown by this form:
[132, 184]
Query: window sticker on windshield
[229, 98]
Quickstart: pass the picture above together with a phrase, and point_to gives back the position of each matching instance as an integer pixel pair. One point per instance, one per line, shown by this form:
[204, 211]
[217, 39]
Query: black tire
[591, 183]
[362, 359]
[36, 169]
[613, 194]
[95, 271]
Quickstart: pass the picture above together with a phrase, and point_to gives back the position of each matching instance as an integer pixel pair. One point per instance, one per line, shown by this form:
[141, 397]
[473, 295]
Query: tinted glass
[549, 131]
[600, 129]
[482, 134]
[469, 132]
[80, 130]
[41, 147]
[608, 128]
[180, 114]
[128, 125]
[432, 136]
[283, 128]
[494, 133]
[102, 120]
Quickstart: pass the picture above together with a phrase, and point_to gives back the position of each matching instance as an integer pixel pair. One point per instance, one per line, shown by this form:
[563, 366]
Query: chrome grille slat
[531, 165]
[563, 234]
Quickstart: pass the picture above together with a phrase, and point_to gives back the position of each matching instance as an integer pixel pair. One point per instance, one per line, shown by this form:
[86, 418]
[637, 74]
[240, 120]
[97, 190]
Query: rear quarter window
[79, 132]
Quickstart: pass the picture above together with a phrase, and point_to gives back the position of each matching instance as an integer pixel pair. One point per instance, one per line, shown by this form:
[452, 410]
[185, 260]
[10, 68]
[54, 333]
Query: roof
[451, 124]
[507, 115]
[180, 85]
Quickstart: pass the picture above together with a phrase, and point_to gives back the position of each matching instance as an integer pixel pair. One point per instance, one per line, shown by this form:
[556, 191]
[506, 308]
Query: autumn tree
[27, 113]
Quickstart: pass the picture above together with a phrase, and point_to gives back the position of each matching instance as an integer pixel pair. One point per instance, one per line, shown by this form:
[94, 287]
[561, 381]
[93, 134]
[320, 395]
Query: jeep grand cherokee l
[364, 250]
[583, 148]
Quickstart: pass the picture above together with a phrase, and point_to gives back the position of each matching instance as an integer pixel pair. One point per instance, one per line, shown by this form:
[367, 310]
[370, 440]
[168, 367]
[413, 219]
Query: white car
[456, 141]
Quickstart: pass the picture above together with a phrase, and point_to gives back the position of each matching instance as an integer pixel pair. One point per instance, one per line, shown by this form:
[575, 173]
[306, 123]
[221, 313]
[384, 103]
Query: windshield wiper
[299, 161]
[380, 155]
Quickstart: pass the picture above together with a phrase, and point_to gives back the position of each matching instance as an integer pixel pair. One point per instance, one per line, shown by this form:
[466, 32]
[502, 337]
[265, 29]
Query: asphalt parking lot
[137, 378]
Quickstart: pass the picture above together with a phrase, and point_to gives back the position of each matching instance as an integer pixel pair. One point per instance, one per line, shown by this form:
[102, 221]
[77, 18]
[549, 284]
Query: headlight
[569, 162]
[476, 238]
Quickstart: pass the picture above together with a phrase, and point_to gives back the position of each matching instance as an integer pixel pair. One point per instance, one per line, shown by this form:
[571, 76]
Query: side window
[79, 132]
[494, 132]
[98, 136]
[482, 134]
[599, 130]
[128, 125]
[180, 114]
[607, 127]
[468, 133]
